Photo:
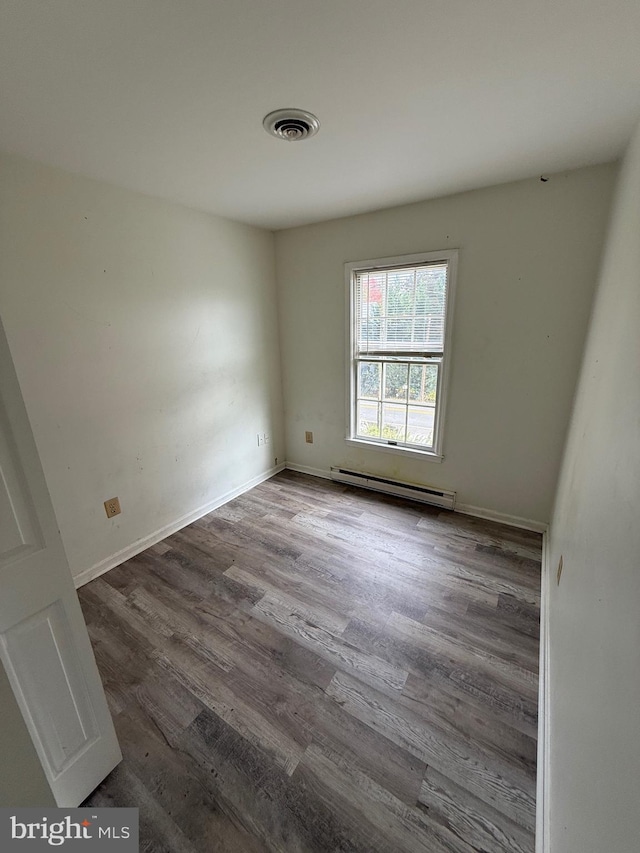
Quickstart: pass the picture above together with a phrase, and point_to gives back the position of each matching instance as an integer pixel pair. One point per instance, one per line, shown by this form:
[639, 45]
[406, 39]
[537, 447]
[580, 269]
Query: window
[399, 331]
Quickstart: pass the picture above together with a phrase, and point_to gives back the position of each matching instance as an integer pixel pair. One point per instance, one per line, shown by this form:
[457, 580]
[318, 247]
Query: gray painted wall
[528, 263]
[594, 612]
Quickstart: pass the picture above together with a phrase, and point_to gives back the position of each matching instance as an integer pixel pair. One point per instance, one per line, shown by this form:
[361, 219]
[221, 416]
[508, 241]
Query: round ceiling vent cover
[291, 125]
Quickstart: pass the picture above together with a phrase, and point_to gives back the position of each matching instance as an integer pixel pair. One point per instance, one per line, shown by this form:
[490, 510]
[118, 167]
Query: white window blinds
[401, 310]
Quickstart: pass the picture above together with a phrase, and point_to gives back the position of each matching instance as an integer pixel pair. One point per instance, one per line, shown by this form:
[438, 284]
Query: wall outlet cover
[112, 507]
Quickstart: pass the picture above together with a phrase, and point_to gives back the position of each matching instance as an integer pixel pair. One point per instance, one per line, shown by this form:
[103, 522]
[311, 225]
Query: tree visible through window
[398, 332]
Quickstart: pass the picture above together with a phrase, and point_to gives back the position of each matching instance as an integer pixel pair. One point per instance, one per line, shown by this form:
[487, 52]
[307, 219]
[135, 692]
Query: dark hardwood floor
[317, 668]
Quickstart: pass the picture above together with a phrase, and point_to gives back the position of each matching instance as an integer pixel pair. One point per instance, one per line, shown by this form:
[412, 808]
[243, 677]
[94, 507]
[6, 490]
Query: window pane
[369, 298]
[367, 422]
[401, 310]
[420, 425]
[395, 381]
[423, 383]
[369, 379]
[393, 421]
[419, 331]
[398, 335]
[400, 293]
[431, 288]
[370, 330]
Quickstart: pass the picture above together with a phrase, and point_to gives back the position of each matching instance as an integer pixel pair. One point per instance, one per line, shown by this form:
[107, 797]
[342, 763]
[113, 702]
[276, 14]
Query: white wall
[594, 613]
[529, 254]
[145, 340]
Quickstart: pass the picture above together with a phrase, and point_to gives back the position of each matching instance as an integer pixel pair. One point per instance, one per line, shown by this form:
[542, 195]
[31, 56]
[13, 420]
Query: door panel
[19, 528]
[22, 779]
[44, 643]
[42, 656]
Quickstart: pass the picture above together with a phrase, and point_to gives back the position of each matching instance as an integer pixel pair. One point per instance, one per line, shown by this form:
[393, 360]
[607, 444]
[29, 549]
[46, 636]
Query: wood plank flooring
[317, 668]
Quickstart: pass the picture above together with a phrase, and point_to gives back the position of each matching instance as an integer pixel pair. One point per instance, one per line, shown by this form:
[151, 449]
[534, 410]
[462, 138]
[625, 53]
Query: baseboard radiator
[424, 494]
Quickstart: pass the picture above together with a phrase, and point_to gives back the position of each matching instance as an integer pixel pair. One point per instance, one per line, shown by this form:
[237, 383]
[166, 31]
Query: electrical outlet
[267, 438]
[308, 437]
[112, 507]
[260, 439]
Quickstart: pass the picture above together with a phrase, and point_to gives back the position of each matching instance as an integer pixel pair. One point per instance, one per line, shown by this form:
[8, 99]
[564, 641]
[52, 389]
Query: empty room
[319, 394]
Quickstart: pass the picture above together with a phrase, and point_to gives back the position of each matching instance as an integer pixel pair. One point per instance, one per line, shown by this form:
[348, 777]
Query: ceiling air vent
[292, 125]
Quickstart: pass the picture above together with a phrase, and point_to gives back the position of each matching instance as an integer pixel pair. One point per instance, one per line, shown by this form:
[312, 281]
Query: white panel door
[44, 643]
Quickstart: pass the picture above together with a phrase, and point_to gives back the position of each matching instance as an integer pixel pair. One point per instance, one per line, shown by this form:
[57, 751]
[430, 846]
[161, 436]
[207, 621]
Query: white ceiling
[416, 98]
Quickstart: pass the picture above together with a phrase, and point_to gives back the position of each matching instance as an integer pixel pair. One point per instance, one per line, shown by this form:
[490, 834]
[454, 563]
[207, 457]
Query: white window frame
[450, 256]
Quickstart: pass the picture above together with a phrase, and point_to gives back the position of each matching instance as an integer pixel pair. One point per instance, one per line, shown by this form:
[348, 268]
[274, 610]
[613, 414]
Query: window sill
[427, 455]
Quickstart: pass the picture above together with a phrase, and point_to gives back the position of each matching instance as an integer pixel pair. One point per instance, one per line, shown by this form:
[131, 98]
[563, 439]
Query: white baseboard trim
[305, 469]
[465, 509]
[543, 798]
[502, 518]
[158, 535]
